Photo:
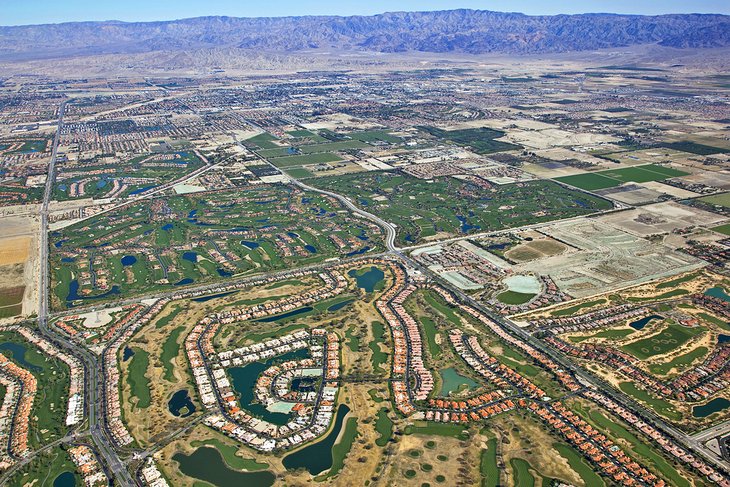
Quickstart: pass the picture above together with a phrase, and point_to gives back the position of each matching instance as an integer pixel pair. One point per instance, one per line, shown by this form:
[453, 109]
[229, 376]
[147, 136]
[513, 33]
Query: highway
[90, 361]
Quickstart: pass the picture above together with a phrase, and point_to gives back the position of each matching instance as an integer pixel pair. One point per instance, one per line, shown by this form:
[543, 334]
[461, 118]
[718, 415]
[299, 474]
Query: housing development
[463, 270]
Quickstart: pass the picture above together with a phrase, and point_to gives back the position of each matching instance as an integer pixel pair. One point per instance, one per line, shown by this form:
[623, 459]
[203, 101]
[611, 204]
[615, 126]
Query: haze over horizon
[48, 12]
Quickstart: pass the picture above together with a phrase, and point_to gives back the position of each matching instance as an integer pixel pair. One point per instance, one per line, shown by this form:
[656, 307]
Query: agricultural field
[427, 210]
[616, 177]
[191, 239]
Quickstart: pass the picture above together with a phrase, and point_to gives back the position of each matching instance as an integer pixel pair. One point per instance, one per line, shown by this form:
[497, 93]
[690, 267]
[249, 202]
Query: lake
[17, 352]
[180, 404]
[294, 312]
[714, 406]
[65, 479]
[207, 464]
[128, 260]
[640, 324]
[317, 457]
[203, 299]
[367, 280]
[243, 381]
[718, 292]
[340, 305]
[451, 381]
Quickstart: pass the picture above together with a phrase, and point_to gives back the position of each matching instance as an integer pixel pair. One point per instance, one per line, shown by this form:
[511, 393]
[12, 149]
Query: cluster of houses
[75, 410]
[77, 327]
[151, 475]
[697, 383]
[311, 411]
[20, 390]
[88, 466]
[659, 438]
[588, 321]
[21, 387]
[607, 457]
[562, 376]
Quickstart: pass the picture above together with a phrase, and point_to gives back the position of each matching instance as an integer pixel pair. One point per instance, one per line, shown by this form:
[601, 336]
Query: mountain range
[458, 31]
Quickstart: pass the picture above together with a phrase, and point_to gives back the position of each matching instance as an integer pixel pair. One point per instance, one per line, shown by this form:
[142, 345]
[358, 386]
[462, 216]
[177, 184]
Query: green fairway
[44, 468]
[379, 358]
[384, 427]
[429, 330]
[420, 208]
[639, 447]
[521, 471]
[488, 465]
[139, 384]
[229, 454]
[195, 238]
[574, 309]
[342, 448]
[586, 472]
[611, 333]
[170, 350]
[668, 339]
[679, 361]
[660, 406]
[480, 140]
[299, 160]
[436, 429]
[615, 177]
[47, 419]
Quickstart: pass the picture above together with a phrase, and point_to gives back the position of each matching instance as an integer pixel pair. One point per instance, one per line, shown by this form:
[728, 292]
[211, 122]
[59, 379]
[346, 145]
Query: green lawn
[694, 148]
[513, 297]
[724, 229]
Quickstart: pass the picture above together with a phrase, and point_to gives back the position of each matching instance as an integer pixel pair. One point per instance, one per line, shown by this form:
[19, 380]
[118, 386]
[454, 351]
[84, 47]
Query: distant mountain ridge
[460, 31]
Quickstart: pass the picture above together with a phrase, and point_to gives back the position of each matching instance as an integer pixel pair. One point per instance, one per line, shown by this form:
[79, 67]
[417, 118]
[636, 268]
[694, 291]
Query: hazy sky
[15, 12]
